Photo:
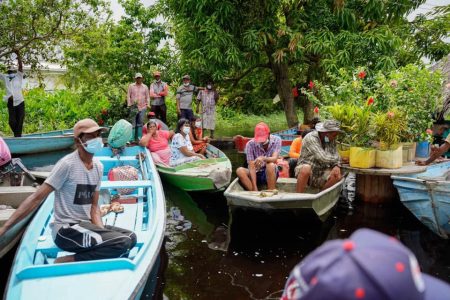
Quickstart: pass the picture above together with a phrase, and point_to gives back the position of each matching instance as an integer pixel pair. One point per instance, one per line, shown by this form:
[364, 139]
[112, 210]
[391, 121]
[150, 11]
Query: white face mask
[198, 124]
[326, 139]
[186, 130]
[186, 83]
[209, 86]
[158, 80]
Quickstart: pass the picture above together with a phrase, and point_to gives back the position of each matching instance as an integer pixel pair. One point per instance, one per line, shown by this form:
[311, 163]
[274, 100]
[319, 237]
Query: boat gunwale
[272, 199]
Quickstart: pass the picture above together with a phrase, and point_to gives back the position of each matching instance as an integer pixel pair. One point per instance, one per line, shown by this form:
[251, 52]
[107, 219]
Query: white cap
[138, 75]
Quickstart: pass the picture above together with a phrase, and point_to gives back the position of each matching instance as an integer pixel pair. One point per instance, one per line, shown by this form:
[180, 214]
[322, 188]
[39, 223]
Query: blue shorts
[261, 176]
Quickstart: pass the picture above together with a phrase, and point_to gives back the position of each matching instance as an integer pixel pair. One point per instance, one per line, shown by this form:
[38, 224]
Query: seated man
[77, 225]
[262, 154]
[318, 163]
[436, 152]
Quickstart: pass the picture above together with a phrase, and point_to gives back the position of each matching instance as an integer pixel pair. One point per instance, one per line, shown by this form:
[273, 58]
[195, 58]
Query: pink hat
[262, 132]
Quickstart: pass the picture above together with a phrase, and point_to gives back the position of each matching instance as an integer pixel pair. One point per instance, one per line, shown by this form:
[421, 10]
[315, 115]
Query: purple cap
[368, 265]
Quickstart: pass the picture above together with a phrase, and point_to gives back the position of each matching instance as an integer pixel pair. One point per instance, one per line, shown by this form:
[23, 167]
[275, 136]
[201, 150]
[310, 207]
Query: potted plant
[423, 146]
[361, 154]
[388, 129]
[343, 113]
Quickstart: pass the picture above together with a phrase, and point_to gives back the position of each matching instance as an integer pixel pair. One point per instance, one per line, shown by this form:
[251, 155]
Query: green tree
[298, 41]
[37, 28]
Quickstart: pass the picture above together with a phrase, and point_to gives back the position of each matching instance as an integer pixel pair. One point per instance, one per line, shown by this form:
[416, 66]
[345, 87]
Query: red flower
[104, 111]
[311, 85]
[429, 131]
[316, 110]
[362, 74]
[100, 122]
[370, 101]
[390, 115]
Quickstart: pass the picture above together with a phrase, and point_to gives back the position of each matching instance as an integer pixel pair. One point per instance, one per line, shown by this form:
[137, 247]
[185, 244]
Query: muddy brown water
[206, 257]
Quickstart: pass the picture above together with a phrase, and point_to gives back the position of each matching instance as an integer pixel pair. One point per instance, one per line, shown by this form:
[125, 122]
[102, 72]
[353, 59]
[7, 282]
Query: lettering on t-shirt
[84, 194]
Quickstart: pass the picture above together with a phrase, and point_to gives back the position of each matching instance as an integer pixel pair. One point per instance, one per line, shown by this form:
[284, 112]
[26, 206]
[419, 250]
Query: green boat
[210, 174]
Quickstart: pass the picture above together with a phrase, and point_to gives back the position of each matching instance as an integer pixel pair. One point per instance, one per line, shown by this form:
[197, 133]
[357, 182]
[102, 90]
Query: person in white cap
[77, 226]
[137, 101]
[158, 93]
[14, 97]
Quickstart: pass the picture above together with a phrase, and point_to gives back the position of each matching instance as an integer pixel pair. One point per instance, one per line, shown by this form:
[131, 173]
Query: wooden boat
[35, 276]
[287, 136]
[210, 174]
[319, 202]
[40, 142]
[427, 196]
[11, 197]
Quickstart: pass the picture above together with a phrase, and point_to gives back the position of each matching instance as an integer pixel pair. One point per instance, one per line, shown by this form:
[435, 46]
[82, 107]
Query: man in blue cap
[369, 265]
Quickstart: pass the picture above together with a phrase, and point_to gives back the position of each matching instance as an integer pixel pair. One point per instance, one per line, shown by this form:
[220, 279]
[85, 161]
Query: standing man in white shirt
[14, 97]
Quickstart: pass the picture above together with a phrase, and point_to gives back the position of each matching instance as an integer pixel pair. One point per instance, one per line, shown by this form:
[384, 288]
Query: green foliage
[416, 91]
[51, 111]
[389, 128]
[36, 28]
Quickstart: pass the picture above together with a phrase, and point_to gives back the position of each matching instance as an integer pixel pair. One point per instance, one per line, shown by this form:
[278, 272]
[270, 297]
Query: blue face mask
[93, 146]
[11, 76]
[186, 130]
[326, 139]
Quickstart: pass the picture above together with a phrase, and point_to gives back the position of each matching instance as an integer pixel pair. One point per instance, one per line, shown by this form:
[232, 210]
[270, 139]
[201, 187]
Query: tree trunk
[281, 73]
[308, 111]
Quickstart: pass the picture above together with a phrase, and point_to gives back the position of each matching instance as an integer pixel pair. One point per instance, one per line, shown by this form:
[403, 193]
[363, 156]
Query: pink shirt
[161, 141]
[138, 93]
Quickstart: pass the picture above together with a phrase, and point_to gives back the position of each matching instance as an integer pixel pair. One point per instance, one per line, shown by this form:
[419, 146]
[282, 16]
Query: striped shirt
[138, 93]
[74, 190]
[185, 94]
[254, 150]
[314, 154]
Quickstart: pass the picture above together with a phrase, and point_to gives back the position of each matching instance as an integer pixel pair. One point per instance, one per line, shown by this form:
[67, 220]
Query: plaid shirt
[254, 150]
[138, 93]
[315, 155]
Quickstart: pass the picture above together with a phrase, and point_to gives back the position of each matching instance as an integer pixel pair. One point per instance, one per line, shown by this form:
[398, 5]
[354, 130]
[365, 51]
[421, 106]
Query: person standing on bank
[184, 98]
[137, 101]
[14, 97]
[158, 93]
[77, 226]
[207, 100]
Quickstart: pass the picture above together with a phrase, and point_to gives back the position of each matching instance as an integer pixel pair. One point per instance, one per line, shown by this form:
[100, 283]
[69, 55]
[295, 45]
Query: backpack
[120, 134]
[5, 154]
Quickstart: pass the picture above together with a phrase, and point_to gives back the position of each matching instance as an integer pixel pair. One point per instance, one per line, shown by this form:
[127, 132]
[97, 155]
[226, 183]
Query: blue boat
[427, 196]
[35, 276]
[40, 142]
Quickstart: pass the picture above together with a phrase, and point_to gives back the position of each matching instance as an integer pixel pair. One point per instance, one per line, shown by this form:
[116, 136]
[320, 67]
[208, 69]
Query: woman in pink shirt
[157, 141]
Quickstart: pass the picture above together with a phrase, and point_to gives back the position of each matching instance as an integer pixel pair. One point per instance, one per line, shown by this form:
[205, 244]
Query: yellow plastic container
[389, 159]
[362, 158]
[344, 151]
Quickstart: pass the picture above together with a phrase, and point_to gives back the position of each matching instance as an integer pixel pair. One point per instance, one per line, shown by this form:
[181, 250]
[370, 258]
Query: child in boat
[199, 143]
[157, 141]
[181, 147]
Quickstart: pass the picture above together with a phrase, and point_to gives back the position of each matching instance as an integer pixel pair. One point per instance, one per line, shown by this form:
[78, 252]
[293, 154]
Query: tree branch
[236, 80]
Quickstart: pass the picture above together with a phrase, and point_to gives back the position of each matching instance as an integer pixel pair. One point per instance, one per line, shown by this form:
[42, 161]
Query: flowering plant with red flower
[370, 101]
[389, 128]
[427, 136]
[362, 74]
[311, 85]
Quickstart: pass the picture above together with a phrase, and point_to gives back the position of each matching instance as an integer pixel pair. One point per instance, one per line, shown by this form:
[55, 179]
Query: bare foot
[65, 259]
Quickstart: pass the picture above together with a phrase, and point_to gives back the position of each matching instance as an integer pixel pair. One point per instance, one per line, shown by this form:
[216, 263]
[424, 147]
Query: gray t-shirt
[185, 94]
[74, 189]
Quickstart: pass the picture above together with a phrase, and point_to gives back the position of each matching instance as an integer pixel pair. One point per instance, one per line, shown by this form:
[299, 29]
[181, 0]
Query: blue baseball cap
[369, 265]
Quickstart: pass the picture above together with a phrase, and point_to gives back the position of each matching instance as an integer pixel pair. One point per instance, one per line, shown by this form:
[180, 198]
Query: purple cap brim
[435, 289]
